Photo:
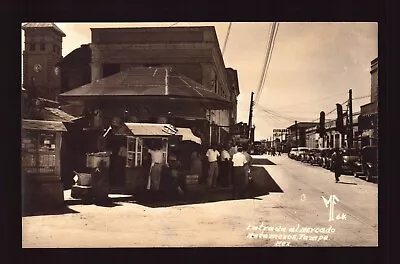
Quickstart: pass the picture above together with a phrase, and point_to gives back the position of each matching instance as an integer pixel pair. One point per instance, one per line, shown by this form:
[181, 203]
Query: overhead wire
[267, 51]
[286, 117]
[226, 38]
[314, 101]
[268, 62]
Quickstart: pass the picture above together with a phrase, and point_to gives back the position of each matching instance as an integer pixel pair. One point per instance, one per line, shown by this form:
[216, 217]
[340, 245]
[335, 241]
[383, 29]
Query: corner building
[192, 52]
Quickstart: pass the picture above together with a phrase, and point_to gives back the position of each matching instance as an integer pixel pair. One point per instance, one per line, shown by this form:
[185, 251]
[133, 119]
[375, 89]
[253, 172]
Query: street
[295, 214]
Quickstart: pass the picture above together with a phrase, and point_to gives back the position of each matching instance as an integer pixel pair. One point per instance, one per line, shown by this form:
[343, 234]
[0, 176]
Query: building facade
[368, 120]
[332, 139]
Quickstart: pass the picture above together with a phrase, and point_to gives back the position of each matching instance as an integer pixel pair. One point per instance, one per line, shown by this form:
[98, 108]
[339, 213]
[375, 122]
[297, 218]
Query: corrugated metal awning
[152, 129]
[60, 115]
[143, 129]
[147, 83]
[43, 125]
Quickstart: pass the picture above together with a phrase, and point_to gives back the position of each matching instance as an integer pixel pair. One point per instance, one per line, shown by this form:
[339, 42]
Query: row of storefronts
[365, 125]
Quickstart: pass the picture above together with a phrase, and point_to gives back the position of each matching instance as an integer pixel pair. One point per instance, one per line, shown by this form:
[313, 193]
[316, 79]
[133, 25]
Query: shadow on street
[351, 183]
[111, 202]
[257, 161]
[260, 185]
[60, 211]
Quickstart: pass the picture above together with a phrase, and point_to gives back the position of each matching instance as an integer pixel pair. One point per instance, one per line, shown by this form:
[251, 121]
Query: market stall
[140, 137]
[40, 155]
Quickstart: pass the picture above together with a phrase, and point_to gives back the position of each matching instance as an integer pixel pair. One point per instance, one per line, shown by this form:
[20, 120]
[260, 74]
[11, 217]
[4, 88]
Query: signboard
[284, 130]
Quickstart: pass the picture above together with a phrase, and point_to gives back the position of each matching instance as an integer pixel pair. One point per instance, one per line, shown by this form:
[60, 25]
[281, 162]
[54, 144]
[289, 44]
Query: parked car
[300, 152]
[367, 165]
[314, 156]
[293, 153]
[259, 148]
[320, 157]
[350, 156]
[327, 159]
[305, 155]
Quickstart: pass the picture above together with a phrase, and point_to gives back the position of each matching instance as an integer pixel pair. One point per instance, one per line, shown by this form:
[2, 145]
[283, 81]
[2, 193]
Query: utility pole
[350, 116]
[250, 116]
[295, 126]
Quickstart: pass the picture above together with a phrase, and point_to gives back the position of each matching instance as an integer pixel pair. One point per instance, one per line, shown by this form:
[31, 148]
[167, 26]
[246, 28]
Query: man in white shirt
[239, 175]
[212, 155]
[225, 166]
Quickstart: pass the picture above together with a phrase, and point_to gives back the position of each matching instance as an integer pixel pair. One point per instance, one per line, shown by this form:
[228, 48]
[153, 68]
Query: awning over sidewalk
[151, 129]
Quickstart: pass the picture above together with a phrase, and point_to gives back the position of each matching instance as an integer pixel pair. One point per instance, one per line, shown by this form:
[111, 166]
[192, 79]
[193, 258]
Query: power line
[289, 118]
[269, 60]
[267, 51]
[226, 38]
[274, 30]
[330, 112]
[275, 119]
[362, 97]
[314, 101]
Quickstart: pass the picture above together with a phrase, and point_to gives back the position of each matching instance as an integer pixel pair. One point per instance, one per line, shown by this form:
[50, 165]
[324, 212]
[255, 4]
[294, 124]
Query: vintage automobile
[301, 151]
[313, 157]
[259, 148]
[305, 155]
[367, 164]
[292, 153]
[321, 156]
[327, 158]
[350, 156]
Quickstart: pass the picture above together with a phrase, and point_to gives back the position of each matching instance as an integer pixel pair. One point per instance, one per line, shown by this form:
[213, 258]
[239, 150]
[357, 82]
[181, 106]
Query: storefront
[41, 168]
[368, 129]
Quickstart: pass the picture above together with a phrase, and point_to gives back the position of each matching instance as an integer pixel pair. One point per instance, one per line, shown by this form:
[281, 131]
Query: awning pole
[166, 81]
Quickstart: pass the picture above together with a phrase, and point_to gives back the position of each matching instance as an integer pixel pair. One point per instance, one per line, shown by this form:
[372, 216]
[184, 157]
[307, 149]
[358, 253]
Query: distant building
[297, 133]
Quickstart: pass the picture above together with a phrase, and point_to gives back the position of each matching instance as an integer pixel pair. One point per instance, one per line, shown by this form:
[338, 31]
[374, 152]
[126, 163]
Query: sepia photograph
[199, 134]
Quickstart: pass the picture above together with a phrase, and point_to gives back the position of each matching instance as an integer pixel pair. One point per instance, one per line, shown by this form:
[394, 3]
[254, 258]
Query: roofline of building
[54, 27]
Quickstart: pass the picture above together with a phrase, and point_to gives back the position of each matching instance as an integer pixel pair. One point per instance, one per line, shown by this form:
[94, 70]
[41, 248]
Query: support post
[350, 130]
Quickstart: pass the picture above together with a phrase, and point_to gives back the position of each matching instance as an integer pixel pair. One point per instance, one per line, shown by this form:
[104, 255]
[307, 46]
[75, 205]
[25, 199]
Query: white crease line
[190, 86]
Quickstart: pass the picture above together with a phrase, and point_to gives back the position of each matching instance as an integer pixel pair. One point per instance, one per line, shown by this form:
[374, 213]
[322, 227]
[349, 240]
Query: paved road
[292, 214]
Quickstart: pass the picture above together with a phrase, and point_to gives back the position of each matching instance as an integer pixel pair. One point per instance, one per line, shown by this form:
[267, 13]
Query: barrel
[100, 176]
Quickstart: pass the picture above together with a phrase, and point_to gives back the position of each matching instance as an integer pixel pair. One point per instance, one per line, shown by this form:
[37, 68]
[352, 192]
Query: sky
[312, 65]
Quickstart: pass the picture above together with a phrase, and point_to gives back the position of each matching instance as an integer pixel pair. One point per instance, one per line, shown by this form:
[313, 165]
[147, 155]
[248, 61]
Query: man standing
[233, 149]
[239, 174]
[212, 155]
[337, 158]
[225, 166]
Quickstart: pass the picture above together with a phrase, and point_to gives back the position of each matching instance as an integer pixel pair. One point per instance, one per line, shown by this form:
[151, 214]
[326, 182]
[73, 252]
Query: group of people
[229, 165]
[272, 151]
[226, 165]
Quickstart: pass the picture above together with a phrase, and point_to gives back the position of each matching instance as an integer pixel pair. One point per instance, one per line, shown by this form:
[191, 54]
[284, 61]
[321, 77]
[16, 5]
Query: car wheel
[368, 175]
